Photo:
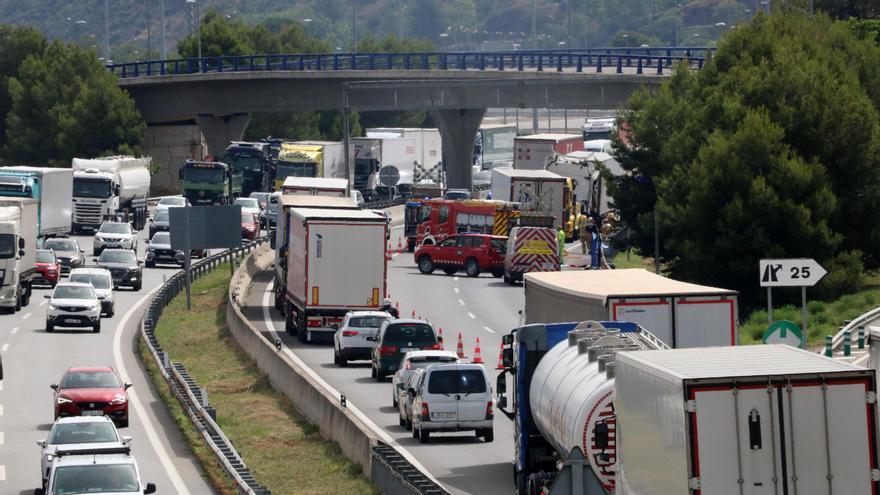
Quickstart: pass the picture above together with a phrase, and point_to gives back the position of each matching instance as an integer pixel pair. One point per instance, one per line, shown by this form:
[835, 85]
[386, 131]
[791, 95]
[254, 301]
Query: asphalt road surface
[34, 359]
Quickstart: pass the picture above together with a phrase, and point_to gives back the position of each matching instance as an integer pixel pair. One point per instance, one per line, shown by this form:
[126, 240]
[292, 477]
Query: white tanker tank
[105, 187]
[572, 391]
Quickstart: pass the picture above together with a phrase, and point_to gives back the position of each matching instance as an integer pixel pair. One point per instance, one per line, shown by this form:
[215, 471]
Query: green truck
[210, 183]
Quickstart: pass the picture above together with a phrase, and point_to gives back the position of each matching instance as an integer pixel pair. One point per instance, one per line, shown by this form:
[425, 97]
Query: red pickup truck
[475, 253]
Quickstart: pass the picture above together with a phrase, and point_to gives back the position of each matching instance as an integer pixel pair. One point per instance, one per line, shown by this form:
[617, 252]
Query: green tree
[66, 104]
[16, 44]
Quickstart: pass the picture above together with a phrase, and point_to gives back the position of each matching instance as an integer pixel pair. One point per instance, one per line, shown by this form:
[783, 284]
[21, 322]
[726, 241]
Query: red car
[48, 268]
[474, 252]
[250, 226]
[92, 392]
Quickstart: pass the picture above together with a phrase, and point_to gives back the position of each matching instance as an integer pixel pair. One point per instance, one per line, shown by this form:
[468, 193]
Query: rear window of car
[424, 362]
[67, 433]
[366, 322]
[411, 332]
[457, 382]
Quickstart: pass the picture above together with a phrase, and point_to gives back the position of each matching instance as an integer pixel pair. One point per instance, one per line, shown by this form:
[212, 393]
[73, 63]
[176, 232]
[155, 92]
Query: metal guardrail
[192, 397]
[596, 59]
[852, 326]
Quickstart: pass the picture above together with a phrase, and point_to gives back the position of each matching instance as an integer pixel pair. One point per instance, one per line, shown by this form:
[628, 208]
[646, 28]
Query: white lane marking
[471, 316]
[455, 289]
[384, 436]
[5, 348]
[1, 385]
[455, 279]
[26, 316]
[488, 330]
[2, 473]
[161, 452]
[460, 301]
[43, 302]
[14, 330]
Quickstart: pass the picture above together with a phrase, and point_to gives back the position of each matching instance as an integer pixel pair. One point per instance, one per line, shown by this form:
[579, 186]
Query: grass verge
[286, 453]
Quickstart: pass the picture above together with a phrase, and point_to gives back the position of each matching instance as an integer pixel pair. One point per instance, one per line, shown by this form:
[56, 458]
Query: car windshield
[410, 332]
[117, 257]
[173, 201]
[161, 238]
[44, 256]
[161, 216]
[366, 321]
[73, 292]
[90, 379]
[95, 478]
[60, 245]
[252, 203]
[456, 382]
[91, 432]
[97, 280]
[423, 362]
[115, 228]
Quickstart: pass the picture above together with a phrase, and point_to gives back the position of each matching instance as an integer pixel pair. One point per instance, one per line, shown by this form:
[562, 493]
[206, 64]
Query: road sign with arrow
[784, 332]
[793, 272]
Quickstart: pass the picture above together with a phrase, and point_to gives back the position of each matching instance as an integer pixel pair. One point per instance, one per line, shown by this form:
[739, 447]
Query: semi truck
[535, 151]
[315, 186]
[209, 183]
[253, 161]
[600, 408]
[106, 187]
[278, 239]
[52, 188]
[494, 143]
[310, 159]
[335, 264]
[584, 168]
[538, 190]
[396, 155]
[680, 314]
[18, 244]
[428, 151]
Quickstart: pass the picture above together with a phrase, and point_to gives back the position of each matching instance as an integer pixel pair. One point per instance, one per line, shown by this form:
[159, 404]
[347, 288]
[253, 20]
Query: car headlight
[53, 307]
[49, 457]
[64, 400]
[119, 399]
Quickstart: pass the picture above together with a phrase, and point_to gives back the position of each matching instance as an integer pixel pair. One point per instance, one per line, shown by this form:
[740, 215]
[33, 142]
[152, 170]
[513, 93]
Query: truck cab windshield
[242, 162]
[7, 246]
[203, 174]
[91, 188]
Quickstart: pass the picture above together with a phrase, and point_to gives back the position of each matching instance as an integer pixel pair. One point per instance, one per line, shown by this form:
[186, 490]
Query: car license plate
[93, 413]
[71, 320]
[408, 349]
[443, 415]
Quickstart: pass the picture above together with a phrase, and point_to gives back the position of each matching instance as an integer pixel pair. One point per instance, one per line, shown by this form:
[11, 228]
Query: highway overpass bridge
[219, 93]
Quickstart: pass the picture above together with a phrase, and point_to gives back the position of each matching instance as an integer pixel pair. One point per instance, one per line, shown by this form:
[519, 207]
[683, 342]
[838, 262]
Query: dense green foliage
[770, 151]
[16, 44]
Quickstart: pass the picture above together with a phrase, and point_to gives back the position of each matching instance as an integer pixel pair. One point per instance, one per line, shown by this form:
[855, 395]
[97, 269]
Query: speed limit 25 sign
[793, 272]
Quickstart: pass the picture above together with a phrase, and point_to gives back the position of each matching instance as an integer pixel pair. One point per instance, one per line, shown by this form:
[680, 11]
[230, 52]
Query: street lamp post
[354, 26]
[162, 14]
[195, 5]
[149, 36]
[78, 24]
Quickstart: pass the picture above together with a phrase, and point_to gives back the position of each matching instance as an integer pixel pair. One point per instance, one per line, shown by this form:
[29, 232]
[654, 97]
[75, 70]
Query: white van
[452, 397]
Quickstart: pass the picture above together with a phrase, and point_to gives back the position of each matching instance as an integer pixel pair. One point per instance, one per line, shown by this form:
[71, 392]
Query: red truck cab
[439, 218]
[475, 253]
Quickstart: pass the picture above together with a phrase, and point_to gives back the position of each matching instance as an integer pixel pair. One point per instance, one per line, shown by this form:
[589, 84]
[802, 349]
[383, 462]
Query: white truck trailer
[388, 156]
[584, 168]
[315, 186]
[106, 187]
[18, 244]
[335, 264]
[538, 190]
[429, 146]
[679, 313]
[535, 151]
[51, 187]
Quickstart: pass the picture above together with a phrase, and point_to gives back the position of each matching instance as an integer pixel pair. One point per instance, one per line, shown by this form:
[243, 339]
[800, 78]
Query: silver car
[114, 235]
[109, 470]
[416, 360]
[102, 282]
[80, 433]
[356, 337]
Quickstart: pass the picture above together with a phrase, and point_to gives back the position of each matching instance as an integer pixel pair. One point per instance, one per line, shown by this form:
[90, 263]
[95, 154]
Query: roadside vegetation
[286, 454]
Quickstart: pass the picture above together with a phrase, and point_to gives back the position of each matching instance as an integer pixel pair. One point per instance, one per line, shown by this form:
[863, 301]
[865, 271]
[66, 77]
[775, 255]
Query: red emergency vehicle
[440, 218]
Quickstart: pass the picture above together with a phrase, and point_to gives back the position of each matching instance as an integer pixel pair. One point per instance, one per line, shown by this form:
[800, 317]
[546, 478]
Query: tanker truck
[104, 188]
[18, 243]
[52, 188]
[606, 408]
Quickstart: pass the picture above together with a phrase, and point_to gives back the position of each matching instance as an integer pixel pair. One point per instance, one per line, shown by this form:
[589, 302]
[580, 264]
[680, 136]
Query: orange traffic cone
[388, 253]
[414, 314]
[500, 357]
[442, 348]
[460, 349]
[478, 356]
[399, 245]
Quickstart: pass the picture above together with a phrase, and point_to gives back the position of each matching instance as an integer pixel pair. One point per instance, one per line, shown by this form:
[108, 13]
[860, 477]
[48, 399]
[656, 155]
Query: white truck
[428, 161]
[18, 244]
[335, 264]
[311, 159]
[537, 190]
[680, 314]
[315, 186]
[493, 144]
[106, 187]
[387, 157]
[51, 187]
[584, 168]
[535, 151]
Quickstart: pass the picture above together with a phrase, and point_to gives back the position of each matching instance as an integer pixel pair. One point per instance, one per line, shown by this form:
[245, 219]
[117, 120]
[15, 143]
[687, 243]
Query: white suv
[73, 305]
[452, 397]
[114, 235]
[356, 338]
[96, 470]
[413, 361]
[102, 282]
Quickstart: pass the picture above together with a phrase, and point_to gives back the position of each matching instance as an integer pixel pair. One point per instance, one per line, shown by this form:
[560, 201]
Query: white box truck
[278, 240]
[315, 186]
[311, 159]
[389, 158]
[106, 187]
[18, 244]
[681, 314]
[335, 264]
[537, 190]
[536, 151]
[750, 420]
[494, 143]
[51, 187]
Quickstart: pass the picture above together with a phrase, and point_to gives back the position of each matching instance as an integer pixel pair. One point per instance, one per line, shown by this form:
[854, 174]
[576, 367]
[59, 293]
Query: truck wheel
[424, 435]
[415, 432]
[426, 266]
[289, 325]
[26, 296]
[17, 302]
[472, 267]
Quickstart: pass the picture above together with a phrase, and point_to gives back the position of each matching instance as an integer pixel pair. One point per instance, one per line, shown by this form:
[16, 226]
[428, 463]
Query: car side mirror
[41, 443]
[151, 488]
[54, 387]
[127, 386]
[411, 392]
[501, 384]
[47, 296]
[501, 402]
[81, 251]
[126, 440]
[21, 243]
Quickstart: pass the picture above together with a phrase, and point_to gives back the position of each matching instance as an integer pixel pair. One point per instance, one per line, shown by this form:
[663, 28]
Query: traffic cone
[397, 306]
[478, 357]
[460, 349]
[388, 253]
[500, 357]
[414, 314]
[442, 348]
[399, 245]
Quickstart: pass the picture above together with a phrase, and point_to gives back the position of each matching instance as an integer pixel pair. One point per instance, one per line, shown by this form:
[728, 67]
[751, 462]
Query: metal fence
[193, 398]
[643, 60]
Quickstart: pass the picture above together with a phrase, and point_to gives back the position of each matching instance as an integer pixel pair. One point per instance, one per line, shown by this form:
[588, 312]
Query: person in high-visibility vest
[560, 242]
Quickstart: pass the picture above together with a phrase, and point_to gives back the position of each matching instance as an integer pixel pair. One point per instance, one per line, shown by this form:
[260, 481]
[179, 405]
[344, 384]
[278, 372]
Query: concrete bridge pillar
[458, 128]
[170, 145]
[219, 130]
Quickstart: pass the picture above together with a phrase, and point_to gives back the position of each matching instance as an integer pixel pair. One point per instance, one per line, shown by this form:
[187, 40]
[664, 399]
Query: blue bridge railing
[597, 60]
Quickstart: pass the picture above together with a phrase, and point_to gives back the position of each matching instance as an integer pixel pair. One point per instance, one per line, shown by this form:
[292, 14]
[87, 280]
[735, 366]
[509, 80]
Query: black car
[160, 222]
[159, 252]
[124, 267]
[68, 253]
